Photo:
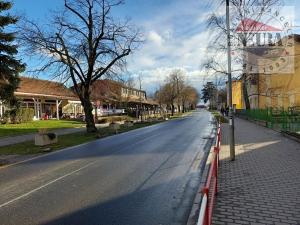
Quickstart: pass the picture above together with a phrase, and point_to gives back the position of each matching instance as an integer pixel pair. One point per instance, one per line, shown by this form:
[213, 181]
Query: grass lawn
[25, 128]
[179, 115]
[67, 140]
[219, 117]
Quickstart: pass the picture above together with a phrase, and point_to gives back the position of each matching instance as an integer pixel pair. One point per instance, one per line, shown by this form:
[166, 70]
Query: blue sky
[175, 32]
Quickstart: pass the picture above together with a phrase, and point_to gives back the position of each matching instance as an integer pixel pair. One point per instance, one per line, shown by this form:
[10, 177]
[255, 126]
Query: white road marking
[45, 185]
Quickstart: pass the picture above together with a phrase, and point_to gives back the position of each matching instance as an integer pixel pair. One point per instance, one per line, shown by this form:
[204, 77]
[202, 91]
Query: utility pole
[230, 114]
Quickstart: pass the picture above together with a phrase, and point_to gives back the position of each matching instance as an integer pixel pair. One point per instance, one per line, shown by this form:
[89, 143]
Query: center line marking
[45, 185]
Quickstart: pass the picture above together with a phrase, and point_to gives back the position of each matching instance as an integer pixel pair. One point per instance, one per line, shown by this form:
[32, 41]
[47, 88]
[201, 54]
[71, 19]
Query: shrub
[220, 118]
[111, 119]
[6, 117]
[24, 115]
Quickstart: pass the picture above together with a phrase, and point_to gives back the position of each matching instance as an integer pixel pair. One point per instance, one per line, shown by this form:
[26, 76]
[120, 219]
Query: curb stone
[193, 216]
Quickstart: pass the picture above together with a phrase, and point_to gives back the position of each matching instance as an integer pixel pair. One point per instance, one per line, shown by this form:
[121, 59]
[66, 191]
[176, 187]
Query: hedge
[24, 115]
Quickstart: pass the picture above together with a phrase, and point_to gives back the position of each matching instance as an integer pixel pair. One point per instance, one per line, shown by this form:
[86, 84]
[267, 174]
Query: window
[124, 91]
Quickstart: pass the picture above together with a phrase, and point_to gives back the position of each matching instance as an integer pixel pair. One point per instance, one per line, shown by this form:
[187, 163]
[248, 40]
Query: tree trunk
[245, 91]
[244, 81]
[178, 106]
[88, 111]
[172, 109]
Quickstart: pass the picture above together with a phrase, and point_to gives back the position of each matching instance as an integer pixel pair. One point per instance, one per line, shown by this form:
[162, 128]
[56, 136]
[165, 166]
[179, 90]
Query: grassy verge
[31, 127]
[67, 140]
[109, 119]
[220, 118]
[179, 115]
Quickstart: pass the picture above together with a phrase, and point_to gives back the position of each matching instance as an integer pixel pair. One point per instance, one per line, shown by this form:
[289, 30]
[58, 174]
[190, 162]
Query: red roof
[37, 87]
[251, 25]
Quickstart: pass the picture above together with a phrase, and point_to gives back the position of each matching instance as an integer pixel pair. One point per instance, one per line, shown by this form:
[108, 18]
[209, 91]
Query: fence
[275, 118]
[211, 186]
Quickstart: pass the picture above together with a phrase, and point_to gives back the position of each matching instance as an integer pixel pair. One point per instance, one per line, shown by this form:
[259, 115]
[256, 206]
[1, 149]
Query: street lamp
[230, 114]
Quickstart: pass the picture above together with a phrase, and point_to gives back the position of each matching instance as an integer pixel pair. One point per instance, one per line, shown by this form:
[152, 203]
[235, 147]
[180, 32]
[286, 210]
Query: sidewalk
[29, 137]
[262, 186]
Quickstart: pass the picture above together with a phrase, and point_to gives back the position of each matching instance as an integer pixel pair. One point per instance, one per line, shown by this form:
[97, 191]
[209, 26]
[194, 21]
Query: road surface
[147, 176]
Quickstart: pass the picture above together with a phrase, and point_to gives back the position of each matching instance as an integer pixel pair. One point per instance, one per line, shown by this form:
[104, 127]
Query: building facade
[272, 89]
[275, 89]
[52, 100]
[47, 98]
[111, 97]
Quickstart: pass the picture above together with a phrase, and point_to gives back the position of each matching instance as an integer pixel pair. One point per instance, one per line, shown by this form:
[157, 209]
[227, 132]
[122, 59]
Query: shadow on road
[144, 207]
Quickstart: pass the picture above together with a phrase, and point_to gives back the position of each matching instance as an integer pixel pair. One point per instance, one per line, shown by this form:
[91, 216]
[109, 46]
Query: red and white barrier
[210, 189]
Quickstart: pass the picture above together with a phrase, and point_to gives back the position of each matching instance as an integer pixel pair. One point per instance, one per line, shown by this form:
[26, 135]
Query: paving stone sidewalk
[262, 187]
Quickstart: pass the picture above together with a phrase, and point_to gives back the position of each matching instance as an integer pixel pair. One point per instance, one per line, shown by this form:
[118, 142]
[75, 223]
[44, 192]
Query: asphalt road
[147, 176]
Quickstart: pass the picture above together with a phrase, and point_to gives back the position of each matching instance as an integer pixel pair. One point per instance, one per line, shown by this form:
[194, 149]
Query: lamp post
[230, 114]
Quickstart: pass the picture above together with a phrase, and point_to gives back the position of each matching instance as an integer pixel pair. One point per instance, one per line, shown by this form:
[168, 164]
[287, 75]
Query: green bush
[6, 117]
[220, 118]
[24, 115]
[111, 119]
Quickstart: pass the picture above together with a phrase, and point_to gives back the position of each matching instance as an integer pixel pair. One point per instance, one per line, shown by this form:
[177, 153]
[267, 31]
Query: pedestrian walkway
[262, 186]
[29, 137]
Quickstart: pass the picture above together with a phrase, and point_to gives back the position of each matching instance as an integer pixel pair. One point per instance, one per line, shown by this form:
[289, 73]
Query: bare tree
[82, 44]
[158, 96]
[176, 91]
[177, 80]
[169, 94]
[141, 110]
[242, 10]
[189, 98]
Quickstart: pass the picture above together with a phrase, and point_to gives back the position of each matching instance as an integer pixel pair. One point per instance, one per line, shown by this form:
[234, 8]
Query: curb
[193, 216]
[289, 136]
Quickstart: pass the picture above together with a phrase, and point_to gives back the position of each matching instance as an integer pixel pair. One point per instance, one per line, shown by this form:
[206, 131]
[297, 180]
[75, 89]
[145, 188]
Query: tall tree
[169, 94]
[10, 67]
[158, 96]
[177, 79]
[189, 98]
[209, 94]
[82, 44]
[175, 90]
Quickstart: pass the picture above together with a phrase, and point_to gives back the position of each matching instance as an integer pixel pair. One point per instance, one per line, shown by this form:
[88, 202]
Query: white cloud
[176, 37]
[155, 38]
[153, 78]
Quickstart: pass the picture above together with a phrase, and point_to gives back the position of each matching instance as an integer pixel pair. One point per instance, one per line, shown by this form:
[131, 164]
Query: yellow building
[237, 94]
[270, 88]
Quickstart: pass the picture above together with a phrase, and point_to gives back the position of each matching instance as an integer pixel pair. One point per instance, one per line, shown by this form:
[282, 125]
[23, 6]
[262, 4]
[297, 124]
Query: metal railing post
[216, 149]
[205, 191]
[206, 208]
